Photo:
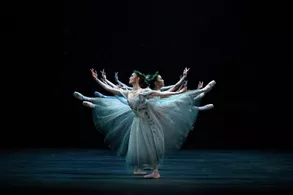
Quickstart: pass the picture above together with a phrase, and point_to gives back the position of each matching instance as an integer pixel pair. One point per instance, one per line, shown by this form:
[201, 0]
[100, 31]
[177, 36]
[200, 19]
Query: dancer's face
[160, 81]
[133, 79]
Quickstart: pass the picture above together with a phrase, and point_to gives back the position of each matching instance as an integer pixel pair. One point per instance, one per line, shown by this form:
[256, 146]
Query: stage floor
[82, 171]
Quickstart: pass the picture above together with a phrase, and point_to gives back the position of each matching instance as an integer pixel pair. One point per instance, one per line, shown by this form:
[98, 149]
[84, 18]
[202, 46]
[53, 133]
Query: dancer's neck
[136, 87]
[157, 88]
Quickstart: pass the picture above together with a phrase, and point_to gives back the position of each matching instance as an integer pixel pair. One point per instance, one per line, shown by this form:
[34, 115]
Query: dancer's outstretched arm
[165, 88]
[177, 85]
[162, 93]
[120, 83]
[107, 87]
[199, 85]
[183, 85]
[106, 80]
[180, 82]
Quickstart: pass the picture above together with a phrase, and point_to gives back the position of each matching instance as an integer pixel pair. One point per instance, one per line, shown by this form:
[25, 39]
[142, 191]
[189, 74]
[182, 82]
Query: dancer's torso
[137, 102]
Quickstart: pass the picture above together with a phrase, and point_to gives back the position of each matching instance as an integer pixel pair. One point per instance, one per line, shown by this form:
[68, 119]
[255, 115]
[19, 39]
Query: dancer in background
[182, 111]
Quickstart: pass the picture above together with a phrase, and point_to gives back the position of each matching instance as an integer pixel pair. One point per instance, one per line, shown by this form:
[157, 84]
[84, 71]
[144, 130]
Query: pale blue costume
[143, 129]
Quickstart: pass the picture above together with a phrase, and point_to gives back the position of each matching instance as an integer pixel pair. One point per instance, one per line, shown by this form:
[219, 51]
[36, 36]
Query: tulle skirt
[144, 137]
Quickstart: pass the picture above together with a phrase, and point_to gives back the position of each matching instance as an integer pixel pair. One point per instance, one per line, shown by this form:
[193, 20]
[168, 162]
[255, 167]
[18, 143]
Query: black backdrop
[240, 44]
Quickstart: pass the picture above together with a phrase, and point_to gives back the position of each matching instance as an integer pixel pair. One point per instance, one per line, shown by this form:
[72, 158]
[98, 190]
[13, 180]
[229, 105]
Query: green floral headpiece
[142, 75]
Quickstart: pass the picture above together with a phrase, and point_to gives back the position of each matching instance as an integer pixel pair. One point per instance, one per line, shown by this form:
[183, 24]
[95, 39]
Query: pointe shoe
[153, 175]
[199, 96]
[78, 95]
[205, 107]
[98, 94]
[209, 86]
[88, 104]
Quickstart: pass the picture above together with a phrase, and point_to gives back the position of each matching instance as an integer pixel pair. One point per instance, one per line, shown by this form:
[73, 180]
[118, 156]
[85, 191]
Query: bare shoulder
[146, 89]
[125, 92]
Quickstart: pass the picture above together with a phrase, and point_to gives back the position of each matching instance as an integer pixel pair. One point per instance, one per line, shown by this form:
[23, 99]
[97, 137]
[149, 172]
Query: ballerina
[148, 149]
[157, 83]
[143, 148]
[116, 102]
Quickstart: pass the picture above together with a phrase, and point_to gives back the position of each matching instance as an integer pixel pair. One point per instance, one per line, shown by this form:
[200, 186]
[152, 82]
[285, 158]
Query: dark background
[243, 45]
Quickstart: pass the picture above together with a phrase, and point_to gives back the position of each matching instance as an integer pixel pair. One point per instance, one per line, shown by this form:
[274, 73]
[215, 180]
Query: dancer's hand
[116, 77]
[185, 71]
[183, 90]
[120, 87]
[104, 81]
[200, 85]
[94, 73]
[103, 74]
[185, 84]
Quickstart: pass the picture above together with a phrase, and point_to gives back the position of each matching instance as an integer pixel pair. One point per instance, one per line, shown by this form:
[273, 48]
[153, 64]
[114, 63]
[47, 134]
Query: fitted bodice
[138, 104]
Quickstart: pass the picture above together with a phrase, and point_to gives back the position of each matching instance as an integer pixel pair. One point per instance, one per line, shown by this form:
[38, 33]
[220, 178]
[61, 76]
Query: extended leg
[81, 97]
[98, 94]
[205, 107]
[88, 104]
[204, 90]
[199, 97]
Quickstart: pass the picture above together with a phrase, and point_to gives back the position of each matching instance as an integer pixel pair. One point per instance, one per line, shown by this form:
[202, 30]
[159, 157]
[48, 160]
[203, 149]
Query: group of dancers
[144, 121]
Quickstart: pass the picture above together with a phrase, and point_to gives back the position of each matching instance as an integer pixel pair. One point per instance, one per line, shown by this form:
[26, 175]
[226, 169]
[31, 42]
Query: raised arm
[106, 81]
[120, 83]
[177, 85]
[180, 82]
[106, 87]
[183, 85]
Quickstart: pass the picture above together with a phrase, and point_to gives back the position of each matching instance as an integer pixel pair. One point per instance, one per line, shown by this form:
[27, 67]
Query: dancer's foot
[199, 97]
[209, 86]
[153, 175]
[78, 95]
[98, 94]
[88, 104]
[205, 107]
